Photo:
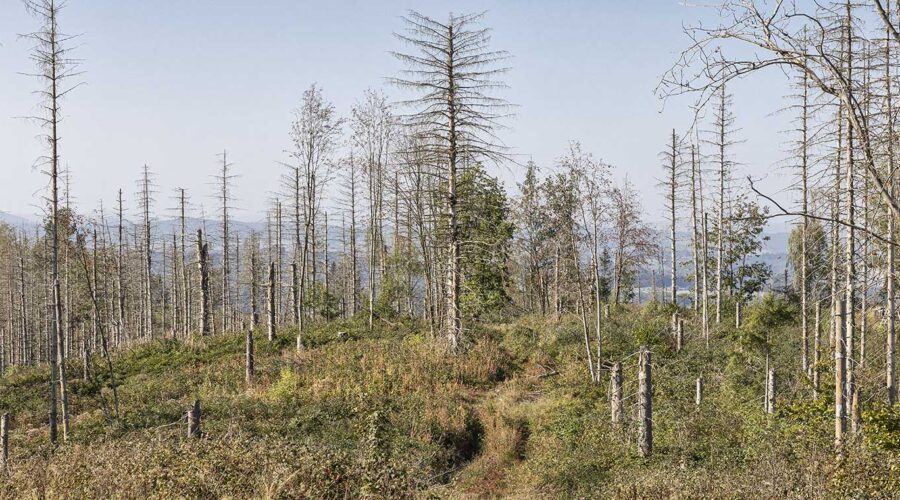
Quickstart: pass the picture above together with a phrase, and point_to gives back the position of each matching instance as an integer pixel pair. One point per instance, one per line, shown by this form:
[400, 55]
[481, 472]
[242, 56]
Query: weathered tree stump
[616, 401]
[698, 396]
[645, 400]
[770, 391]
[4, 441]
[250, 369]
[193, 420]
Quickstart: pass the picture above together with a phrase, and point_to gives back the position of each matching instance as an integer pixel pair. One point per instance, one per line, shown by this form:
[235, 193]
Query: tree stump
[616, 401]
[250, 369]
[4, 441]
[193, 420]
[645, 400]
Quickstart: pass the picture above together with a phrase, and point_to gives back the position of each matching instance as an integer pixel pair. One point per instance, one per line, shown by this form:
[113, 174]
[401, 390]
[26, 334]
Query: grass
[390, 413]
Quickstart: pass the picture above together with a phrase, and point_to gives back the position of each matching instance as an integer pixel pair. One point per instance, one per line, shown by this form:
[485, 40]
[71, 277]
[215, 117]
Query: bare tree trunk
[148, 267]
[840, 349]
[804, 260]
[271, 310]
[234, 302]
[4, 442]
[850, 211]
[249, 368]
[185, 286]
[254, 286]
[583, 309]
[645, 401]
[721, 208]
[279, 300]
[673, 185]
[325, 273]
[695, 230]
[770, 391]
[226, 254]
[698, 392]
[60, 351]
[92, 283]
[890, 306]
[617, 406]
[454, 317]
[202, 257]
[24, 312]
[817, 334]
[705, 278]
[354, 271]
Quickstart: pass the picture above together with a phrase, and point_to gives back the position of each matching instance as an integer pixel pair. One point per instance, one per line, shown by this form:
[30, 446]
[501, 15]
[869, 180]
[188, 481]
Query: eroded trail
[505, 413]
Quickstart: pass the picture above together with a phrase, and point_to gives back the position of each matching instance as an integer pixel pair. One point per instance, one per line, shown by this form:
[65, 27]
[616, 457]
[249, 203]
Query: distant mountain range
[18, 220]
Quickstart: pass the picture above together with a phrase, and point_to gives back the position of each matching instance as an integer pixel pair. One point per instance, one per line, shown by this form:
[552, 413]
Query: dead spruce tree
[55, 69]
[145, 198]
[203, 272]
[890, 292]
[224, 181]
[351, 190]
[455, 73]
[670, 184]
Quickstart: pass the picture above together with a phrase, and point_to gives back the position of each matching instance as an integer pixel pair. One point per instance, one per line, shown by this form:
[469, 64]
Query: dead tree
[254, 284]
[271, 301]
[891, 292]
[185, 281]
[224, 181]
[722, 141]
[695, 228]
[295, 297]
[817, 329]
[850, 217]
[279, 269]
[670, 185]
[54, 70]
[176, 302]
[202, 269]
[146, 197]
[840, 350]
[454, 71]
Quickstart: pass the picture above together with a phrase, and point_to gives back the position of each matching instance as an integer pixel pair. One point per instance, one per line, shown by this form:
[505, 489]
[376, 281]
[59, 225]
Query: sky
[172, 84]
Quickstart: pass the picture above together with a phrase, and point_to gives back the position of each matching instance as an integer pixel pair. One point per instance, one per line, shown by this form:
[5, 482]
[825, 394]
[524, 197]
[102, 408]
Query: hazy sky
[173, 83]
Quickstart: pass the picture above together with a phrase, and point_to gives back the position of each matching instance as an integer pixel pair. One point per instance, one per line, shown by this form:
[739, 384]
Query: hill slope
[389, 413]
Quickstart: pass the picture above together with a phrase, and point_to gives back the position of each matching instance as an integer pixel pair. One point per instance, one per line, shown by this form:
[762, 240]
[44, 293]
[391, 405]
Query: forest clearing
[399, 320]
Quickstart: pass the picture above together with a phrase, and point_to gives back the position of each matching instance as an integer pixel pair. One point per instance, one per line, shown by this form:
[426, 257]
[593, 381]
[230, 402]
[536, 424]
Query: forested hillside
[401, 323]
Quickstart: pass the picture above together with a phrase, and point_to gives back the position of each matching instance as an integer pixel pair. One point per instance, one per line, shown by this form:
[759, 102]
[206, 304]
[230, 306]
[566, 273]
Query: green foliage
[743, 241]
[882, 426]
[325, 303]
[818, 254]
[388, 413]
[763, 318]
[486, 232]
